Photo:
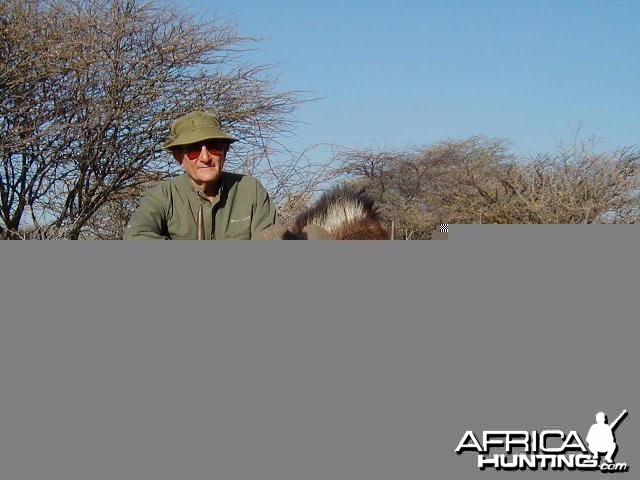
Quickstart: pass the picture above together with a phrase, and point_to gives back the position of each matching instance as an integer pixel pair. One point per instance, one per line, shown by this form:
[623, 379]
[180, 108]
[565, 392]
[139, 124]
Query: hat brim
[197, 136]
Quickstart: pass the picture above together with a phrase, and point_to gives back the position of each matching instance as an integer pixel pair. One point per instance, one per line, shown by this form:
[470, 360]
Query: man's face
[203, 161]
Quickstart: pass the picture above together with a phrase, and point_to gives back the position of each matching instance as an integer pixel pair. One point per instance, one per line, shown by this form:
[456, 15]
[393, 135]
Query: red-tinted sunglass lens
[216, 146]
[192, 154]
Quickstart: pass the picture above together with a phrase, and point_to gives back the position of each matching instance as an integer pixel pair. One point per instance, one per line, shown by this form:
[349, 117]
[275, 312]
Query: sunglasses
[214, 147]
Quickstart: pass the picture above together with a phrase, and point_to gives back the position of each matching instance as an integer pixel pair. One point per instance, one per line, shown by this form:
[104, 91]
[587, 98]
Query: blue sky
[408, 73]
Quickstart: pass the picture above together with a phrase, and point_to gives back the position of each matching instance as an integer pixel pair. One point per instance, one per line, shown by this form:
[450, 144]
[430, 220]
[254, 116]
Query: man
[205, 202]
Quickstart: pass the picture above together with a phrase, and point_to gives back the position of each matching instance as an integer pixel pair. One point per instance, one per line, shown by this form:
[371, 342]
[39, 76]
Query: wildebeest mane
[345, 213]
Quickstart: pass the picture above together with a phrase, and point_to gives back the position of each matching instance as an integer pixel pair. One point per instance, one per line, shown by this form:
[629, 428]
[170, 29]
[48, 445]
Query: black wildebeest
[342, 213]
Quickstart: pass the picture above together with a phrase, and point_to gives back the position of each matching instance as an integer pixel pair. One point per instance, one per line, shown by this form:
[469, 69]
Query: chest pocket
[181, 228]
[239, 228]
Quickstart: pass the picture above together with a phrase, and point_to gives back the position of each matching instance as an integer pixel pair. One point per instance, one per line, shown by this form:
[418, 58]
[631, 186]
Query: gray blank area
[311, 360]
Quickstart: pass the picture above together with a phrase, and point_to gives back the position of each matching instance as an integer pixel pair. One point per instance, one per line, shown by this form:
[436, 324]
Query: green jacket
[169, 211]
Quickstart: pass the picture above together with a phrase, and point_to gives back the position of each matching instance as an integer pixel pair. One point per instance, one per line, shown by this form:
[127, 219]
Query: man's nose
[204, 153]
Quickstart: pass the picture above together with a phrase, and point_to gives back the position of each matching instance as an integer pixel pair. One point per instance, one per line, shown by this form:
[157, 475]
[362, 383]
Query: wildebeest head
[342, 213]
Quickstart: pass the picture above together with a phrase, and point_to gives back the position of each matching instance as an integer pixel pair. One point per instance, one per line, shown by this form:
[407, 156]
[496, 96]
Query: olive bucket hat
[196, 127]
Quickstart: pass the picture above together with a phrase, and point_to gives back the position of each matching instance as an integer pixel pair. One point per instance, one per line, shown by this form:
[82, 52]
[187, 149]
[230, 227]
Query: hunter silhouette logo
[600, 437]
[549, 449]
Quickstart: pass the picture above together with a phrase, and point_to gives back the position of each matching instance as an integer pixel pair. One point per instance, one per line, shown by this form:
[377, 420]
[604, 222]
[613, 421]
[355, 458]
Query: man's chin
[208, 175]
